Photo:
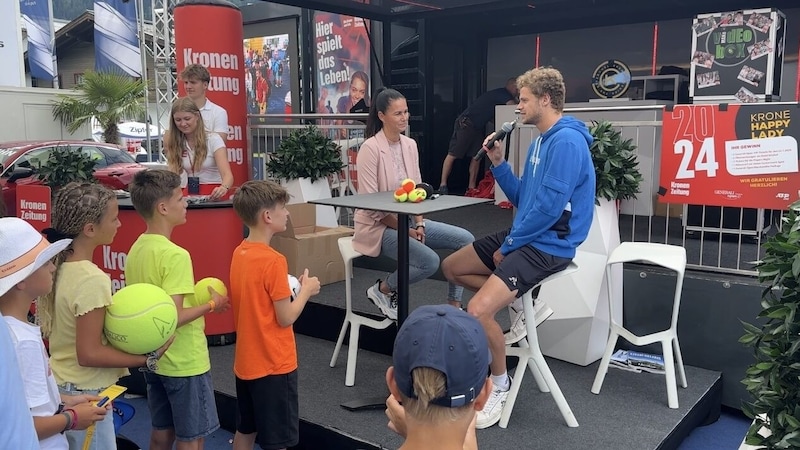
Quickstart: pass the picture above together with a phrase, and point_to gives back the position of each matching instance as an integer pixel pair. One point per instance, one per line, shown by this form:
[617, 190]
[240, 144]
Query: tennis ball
[201, 293]
[427, 188]
[408, 185]
[294, 285]
[416, 195]
[140, 319]
[401, 195]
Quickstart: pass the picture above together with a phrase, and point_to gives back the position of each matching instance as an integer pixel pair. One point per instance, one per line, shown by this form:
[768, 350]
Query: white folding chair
[671, 257]
[350, 318]
[530, 355]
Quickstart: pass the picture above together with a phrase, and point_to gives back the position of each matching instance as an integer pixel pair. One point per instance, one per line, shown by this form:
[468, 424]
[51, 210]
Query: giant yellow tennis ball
[416, 195]
[201, 293]
[140, 319]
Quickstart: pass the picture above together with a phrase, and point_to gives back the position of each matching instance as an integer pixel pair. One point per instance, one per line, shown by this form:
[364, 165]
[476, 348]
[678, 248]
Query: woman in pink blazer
[385, 159]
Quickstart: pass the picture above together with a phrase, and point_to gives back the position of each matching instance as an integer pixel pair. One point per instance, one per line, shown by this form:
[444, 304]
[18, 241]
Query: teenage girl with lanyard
[202, 156]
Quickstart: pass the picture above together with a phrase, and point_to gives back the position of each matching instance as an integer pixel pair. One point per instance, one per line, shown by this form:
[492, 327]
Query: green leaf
[305, 153]
[108, 97]
[616, 166]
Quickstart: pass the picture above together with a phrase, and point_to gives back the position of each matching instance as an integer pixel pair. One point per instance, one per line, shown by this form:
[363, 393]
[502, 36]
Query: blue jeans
[422, 260]
[104, 436]
[184, 404]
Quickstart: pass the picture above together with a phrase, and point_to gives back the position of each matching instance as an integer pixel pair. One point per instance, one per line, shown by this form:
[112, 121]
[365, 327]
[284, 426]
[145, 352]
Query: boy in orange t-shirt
[265, 363]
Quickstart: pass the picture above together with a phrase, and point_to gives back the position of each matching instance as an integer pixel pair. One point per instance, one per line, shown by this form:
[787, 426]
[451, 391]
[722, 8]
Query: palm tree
[109, 97]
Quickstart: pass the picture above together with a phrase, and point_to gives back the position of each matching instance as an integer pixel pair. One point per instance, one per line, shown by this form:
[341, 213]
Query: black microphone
[507, 128]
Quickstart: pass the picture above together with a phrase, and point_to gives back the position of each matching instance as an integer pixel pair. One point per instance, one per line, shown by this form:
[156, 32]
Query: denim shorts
[104, 434]
[185, 404]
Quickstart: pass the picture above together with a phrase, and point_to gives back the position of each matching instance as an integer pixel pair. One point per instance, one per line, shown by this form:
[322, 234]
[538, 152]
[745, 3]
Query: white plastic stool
[668, 256]
[350, 318]
[530, 355]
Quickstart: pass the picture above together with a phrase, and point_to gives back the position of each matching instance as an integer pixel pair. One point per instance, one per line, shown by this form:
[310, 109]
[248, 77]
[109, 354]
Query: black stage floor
[630, 413]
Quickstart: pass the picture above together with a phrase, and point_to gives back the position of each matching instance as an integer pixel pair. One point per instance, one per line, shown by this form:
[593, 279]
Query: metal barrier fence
[716, 239]
[346, 130]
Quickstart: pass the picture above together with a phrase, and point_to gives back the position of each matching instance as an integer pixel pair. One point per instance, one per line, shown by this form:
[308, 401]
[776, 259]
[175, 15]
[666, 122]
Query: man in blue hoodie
[555, 202]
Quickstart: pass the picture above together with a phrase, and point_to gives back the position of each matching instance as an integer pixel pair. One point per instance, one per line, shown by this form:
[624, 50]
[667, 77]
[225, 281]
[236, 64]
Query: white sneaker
[386, 303]
[518, 331]
[493, 408]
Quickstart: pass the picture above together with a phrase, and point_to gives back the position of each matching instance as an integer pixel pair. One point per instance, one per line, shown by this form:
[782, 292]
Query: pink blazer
[376, 173]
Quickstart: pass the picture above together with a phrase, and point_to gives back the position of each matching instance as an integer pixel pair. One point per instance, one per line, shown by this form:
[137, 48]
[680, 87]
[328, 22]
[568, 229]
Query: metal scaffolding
[162, 48]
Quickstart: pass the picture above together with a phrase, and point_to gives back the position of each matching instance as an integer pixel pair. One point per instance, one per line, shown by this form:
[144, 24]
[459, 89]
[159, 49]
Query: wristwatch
[152, 361]
[419, 225]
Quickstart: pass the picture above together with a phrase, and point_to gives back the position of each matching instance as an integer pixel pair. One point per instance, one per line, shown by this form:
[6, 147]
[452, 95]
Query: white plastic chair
[530, 355]
[350, 318]
[671, 257]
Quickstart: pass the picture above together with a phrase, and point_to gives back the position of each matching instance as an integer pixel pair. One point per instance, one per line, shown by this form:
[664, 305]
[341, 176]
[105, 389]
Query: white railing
[346, 130]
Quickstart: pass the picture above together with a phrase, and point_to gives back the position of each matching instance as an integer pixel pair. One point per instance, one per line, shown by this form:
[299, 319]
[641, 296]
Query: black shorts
[268, 406]
[521, 269]
[466, 140]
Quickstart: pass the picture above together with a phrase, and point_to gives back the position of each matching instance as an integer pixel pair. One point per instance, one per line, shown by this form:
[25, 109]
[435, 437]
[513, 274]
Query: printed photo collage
[748, 74]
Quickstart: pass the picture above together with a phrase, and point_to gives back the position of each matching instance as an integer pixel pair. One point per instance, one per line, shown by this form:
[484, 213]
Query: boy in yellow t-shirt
[265, 363]
[182, 382]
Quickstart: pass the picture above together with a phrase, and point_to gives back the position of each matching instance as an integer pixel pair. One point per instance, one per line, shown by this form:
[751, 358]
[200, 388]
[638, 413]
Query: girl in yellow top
[72, 315]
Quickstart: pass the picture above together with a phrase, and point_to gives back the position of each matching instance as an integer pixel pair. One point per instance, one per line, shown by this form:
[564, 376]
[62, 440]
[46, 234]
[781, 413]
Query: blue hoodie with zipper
[555, 196]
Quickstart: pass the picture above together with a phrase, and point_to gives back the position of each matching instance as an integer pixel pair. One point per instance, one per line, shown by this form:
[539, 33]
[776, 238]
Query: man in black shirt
[469, 130]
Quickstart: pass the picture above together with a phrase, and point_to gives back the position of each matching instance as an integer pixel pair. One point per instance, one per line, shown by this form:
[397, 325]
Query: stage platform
[630, 413]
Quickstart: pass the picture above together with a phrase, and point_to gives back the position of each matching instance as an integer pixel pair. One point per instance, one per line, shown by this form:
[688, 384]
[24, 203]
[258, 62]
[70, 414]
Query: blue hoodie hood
[555, 196]
[572, 124]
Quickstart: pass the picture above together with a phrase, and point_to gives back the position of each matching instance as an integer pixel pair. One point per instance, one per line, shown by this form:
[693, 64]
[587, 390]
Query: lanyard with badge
[192, 181]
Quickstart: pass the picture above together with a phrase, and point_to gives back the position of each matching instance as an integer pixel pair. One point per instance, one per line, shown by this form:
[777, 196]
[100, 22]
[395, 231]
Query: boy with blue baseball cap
[439, 378]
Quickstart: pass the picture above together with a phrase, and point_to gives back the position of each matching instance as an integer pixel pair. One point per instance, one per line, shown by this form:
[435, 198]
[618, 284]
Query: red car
[19, 160]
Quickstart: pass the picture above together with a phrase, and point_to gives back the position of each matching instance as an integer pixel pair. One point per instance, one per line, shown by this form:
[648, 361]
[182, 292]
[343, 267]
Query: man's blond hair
[545, 81]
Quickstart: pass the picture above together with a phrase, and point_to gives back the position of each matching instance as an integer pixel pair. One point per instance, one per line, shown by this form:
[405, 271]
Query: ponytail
[381, 102]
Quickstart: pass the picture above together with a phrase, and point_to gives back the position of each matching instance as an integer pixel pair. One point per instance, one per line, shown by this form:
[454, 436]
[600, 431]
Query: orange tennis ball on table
[201, 293]
[408, 185]
[417, 195]
[401, 195]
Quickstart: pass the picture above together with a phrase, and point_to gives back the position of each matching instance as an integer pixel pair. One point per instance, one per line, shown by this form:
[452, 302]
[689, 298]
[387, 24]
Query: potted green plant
[63, 166]
[303, 162]
[615, 165]
[305, 153]
[774, 378]
[582, 296]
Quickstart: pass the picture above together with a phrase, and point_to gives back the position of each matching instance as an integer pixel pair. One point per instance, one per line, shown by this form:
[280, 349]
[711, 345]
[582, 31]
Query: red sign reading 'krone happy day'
[730, 155]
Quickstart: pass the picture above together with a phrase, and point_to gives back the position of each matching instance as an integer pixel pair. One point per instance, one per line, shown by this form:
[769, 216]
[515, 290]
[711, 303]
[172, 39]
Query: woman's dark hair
[380, 103]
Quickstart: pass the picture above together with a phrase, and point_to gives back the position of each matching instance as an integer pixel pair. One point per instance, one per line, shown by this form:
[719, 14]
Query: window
[34, 159]
[78, 78]
[93, 153]
[115, 156]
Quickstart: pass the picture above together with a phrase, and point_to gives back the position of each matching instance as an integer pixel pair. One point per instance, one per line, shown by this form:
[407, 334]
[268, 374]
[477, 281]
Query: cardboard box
[664, 209]
[306, 245]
